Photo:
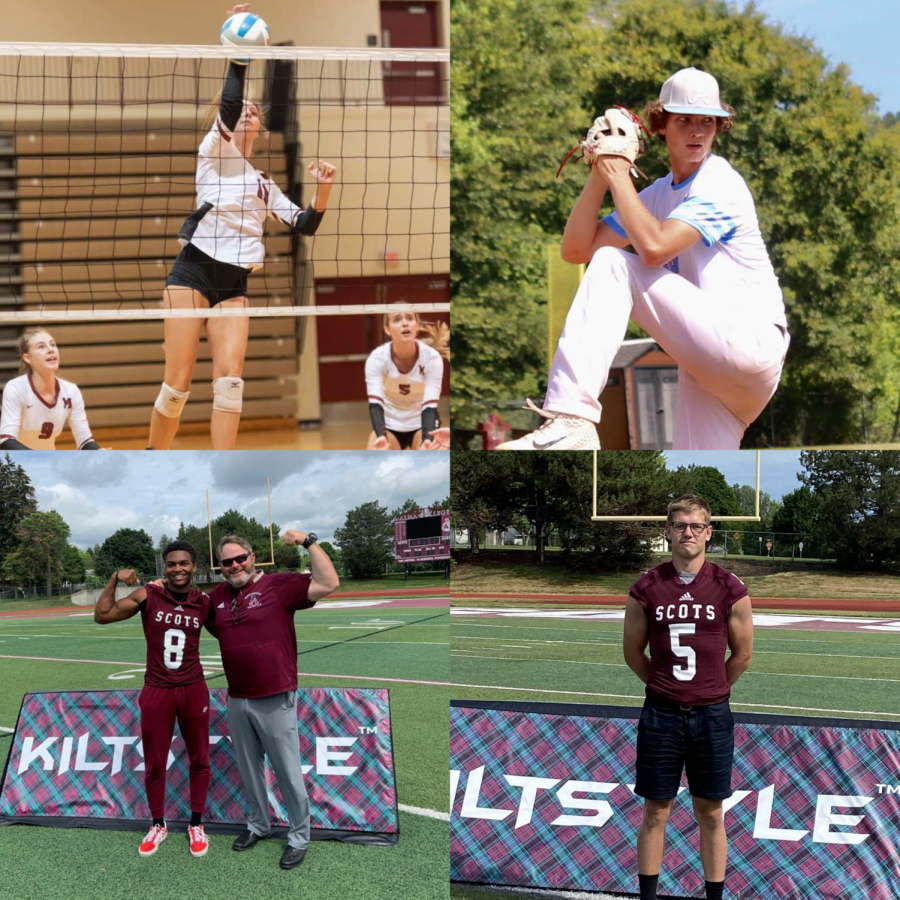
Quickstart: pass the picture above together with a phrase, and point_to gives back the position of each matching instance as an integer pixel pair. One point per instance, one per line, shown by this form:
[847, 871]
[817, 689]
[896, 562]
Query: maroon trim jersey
[259, 650]
[688, 629]
[172, 629]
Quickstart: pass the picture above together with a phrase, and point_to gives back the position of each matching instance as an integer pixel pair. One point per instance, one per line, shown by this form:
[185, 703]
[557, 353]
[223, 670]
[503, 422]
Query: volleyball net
[98, 161]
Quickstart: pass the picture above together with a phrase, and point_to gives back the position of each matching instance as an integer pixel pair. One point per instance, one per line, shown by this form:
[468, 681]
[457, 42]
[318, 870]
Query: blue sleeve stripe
[613, 221]
[709, 237]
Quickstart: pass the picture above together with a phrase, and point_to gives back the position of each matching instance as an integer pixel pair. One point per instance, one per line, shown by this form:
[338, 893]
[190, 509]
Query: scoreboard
[422, 535]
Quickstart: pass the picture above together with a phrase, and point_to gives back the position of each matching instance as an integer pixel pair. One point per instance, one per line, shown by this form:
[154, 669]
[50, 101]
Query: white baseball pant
[729, 356]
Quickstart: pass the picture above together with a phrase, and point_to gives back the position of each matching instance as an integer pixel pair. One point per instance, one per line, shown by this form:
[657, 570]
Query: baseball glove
[618, 132]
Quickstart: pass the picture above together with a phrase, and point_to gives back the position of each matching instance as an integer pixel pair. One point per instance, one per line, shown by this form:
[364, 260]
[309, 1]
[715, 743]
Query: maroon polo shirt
[172, 629]
[688, 626]
[259, 649]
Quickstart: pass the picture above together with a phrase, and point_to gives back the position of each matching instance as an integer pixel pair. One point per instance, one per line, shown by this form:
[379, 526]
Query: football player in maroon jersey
[689, 612]
[174, 686]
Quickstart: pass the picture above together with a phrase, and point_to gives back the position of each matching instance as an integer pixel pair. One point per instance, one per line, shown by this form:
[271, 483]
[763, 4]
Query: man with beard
[689, 611]
[254, 622]
[174, 687]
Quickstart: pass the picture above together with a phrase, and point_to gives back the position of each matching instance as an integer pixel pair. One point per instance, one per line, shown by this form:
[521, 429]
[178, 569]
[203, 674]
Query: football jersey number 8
[173, 648]
[689, 670]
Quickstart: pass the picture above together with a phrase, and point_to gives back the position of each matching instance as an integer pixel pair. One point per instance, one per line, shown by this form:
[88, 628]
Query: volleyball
[244, 30]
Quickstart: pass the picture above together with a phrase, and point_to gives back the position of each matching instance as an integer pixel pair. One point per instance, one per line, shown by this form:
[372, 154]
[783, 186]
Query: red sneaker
[155, 836]
[198, 840]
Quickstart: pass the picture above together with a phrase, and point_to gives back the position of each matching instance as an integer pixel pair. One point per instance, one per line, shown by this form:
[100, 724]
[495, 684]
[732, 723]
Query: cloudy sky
[98, 493]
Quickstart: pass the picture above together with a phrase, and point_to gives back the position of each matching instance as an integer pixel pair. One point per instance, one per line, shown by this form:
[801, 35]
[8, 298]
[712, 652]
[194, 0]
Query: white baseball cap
[692, 92]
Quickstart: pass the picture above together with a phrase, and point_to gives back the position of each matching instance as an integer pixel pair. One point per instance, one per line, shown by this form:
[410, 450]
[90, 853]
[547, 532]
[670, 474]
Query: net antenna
[212, 557]
[754, 518]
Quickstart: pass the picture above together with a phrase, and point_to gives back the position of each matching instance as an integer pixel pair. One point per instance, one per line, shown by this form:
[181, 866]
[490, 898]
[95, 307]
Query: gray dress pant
[268, 726]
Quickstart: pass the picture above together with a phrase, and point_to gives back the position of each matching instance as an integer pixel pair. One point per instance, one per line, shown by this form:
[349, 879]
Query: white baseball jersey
[30, 420]
[731, 254]
[404, 394]
[242, 198]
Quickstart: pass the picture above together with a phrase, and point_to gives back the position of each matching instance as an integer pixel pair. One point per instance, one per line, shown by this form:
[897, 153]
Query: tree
[366, 541]
[17, 501]
[333, 554]
[127, 548]
[286, 557]
[40, 551]
[514, 68]
[859, 493]
[73, 565]
[801, 512]
[164, 542]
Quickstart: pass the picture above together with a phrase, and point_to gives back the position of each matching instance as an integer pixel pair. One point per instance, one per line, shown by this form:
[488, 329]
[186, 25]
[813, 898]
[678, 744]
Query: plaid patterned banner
[543, 799]
[79, 755]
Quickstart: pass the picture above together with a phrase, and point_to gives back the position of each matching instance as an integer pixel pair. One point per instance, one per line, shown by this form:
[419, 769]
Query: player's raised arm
[108, 610]
[740, 639]
[324, 577]
[584, 234]
[635, 636]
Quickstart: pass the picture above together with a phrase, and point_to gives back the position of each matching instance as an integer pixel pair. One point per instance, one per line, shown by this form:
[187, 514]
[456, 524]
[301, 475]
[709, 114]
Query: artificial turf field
[830, 666]
[398, 645]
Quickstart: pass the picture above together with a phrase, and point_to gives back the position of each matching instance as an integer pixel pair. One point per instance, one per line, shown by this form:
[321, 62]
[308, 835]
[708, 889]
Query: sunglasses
[234, 560]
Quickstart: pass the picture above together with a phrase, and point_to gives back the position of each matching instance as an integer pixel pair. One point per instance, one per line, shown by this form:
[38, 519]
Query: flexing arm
[655, 242]
[324, 578]
[635, 637]
[740, 639]
[584, 235]
[108, 610]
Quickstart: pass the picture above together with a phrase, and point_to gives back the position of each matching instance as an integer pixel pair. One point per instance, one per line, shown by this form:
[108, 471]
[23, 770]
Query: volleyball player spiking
[222, 243]
[38, 403]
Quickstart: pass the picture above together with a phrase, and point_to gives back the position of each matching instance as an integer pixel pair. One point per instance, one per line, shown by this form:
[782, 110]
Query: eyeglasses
[681, 527]
[234, 560]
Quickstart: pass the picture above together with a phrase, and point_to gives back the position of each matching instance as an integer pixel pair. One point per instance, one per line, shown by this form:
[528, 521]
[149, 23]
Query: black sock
[715, 890]
[195, 819]
[648, 886]
[160, 822]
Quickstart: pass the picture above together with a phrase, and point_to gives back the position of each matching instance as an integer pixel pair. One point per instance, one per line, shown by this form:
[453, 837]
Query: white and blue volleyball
[244, 30]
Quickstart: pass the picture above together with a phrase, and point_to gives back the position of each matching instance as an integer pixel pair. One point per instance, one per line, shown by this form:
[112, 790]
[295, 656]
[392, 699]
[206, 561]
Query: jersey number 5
[689, 669]
[173, 648]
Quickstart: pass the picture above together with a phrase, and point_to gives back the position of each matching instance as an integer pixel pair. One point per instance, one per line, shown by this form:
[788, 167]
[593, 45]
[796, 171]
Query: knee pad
[170, 402]
[228, 394]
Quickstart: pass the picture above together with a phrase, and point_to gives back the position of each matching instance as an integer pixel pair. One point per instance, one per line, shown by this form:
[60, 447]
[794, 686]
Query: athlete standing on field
[174, 686]
[689, 611]
[222, 244]
[699, 282]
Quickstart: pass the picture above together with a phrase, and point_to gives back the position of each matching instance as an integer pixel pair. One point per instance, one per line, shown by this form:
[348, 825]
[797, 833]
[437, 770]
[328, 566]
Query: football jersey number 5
[173, 648]
[689, 669]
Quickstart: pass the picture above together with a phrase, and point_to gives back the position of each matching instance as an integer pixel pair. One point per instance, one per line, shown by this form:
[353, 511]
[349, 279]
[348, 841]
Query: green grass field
[350, 647]
[845, 674]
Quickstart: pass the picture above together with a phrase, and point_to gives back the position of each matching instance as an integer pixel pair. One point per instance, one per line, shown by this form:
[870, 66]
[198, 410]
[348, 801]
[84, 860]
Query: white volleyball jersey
[30, 420]
[242, 197]
[731, 256]
[404, 394]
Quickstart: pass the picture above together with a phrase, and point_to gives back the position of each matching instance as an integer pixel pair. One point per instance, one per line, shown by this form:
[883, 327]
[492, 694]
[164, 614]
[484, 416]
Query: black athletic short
[672, 738]
[217, 281]
[404, 438]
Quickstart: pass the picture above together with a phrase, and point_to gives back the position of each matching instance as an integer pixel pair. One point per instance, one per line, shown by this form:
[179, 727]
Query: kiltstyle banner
[77, 760]
[542, 797]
